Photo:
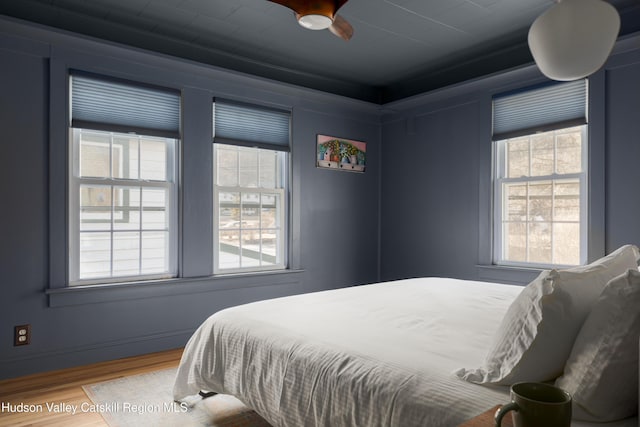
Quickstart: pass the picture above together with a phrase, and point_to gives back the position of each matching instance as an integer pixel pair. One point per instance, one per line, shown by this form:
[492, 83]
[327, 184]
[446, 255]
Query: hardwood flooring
[65, 386]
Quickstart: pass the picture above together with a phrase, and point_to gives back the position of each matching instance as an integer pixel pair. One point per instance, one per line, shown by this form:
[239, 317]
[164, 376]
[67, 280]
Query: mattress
[372, 355]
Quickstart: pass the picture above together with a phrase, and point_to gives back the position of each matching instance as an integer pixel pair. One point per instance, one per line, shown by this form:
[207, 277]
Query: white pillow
[602, 371]
[536, 335]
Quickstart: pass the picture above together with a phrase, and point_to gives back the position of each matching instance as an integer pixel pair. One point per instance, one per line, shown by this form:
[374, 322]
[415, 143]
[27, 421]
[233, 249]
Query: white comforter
[375, 355]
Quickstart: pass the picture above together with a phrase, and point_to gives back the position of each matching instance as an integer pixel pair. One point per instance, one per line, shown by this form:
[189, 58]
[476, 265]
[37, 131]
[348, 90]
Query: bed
[373, 355]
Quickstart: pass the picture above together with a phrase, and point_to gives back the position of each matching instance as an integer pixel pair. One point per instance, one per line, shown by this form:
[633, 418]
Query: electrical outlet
[22, 335]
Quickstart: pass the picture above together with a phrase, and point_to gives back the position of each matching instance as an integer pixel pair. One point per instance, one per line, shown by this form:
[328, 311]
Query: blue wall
[436, 174]
[623, 148]
[334, 215]
[421, 209]
[429, 200]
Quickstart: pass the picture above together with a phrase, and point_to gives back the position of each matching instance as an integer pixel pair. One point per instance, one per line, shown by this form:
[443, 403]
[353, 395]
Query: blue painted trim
[509, 275]
[23, 364]
[96, 294]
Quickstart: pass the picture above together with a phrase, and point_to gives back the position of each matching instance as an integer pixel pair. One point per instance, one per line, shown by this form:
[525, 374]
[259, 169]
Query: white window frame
[282, 246]
[75, 183]
[500, 162]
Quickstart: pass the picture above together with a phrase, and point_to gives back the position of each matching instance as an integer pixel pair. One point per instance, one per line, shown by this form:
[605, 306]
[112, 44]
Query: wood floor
[65, 386]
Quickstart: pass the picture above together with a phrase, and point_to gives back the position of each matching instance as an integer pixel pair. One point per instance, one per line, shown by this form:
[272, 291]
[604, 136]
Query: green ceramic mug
[537, 405]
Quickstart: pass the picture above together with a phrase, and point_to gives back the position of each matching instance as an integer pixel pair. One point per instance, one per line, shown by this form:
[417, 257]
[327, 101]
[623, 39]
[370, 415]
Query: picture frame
[341, 154]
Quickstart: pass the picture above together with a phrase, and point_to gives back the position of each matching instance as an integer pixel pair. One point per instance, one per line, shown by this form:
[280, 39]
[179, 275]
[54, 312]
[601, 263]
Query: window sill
[93, 294]
[507, 274]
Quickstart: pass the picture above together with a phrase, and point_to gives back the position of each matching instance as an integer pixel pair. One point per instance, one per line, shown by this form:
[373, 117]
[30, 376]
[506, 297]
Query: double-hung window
[250, 160]
[540, 185]
[122, 181]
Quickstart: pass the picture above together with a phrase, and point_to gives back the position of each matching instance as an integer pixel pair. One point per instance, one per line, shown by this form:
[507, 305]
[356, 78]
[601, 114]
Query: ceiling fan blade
[341, 28]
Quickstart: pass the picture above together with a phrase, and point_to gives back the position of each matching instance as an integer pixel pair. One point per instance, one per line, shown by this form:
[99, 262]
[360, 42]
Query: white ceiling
[400, 47]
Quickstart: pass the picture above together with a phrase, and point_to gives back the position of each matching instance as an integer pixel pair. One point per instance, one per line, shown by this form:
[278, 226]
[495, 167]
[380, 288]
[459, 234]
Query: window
[122, 186]
[540, 186]
[250, 187]
[249, 196]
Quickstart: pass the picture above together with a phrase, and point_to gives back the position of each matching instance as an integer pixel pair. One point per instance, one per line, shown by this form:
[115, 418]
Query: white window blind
[106, 104]
[546, 108]
[251, 125]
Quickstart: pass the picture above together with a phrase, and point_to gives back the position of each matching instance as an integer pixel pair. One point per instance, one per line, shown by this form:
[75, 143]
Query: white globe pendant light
[574, 38]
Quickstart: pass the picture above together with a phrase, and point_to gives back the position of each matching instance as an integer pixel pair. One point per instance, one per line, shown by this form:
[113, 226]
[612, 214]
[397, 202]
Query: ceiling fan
[320, 15]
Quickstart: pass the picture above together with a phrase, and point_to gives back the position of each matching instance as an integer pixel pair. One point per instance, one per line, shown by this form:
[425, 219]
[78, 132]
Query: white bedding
[375, 355]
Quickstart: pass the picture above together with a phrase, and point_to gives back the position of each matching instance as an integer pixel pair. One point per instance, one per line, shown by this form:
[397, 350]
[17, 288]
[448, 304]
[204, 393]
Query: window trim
[284, 244]
[499, 148]
[524, 111]
[74, 183]
[166, 101]
[195, 260]
[596, 182]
